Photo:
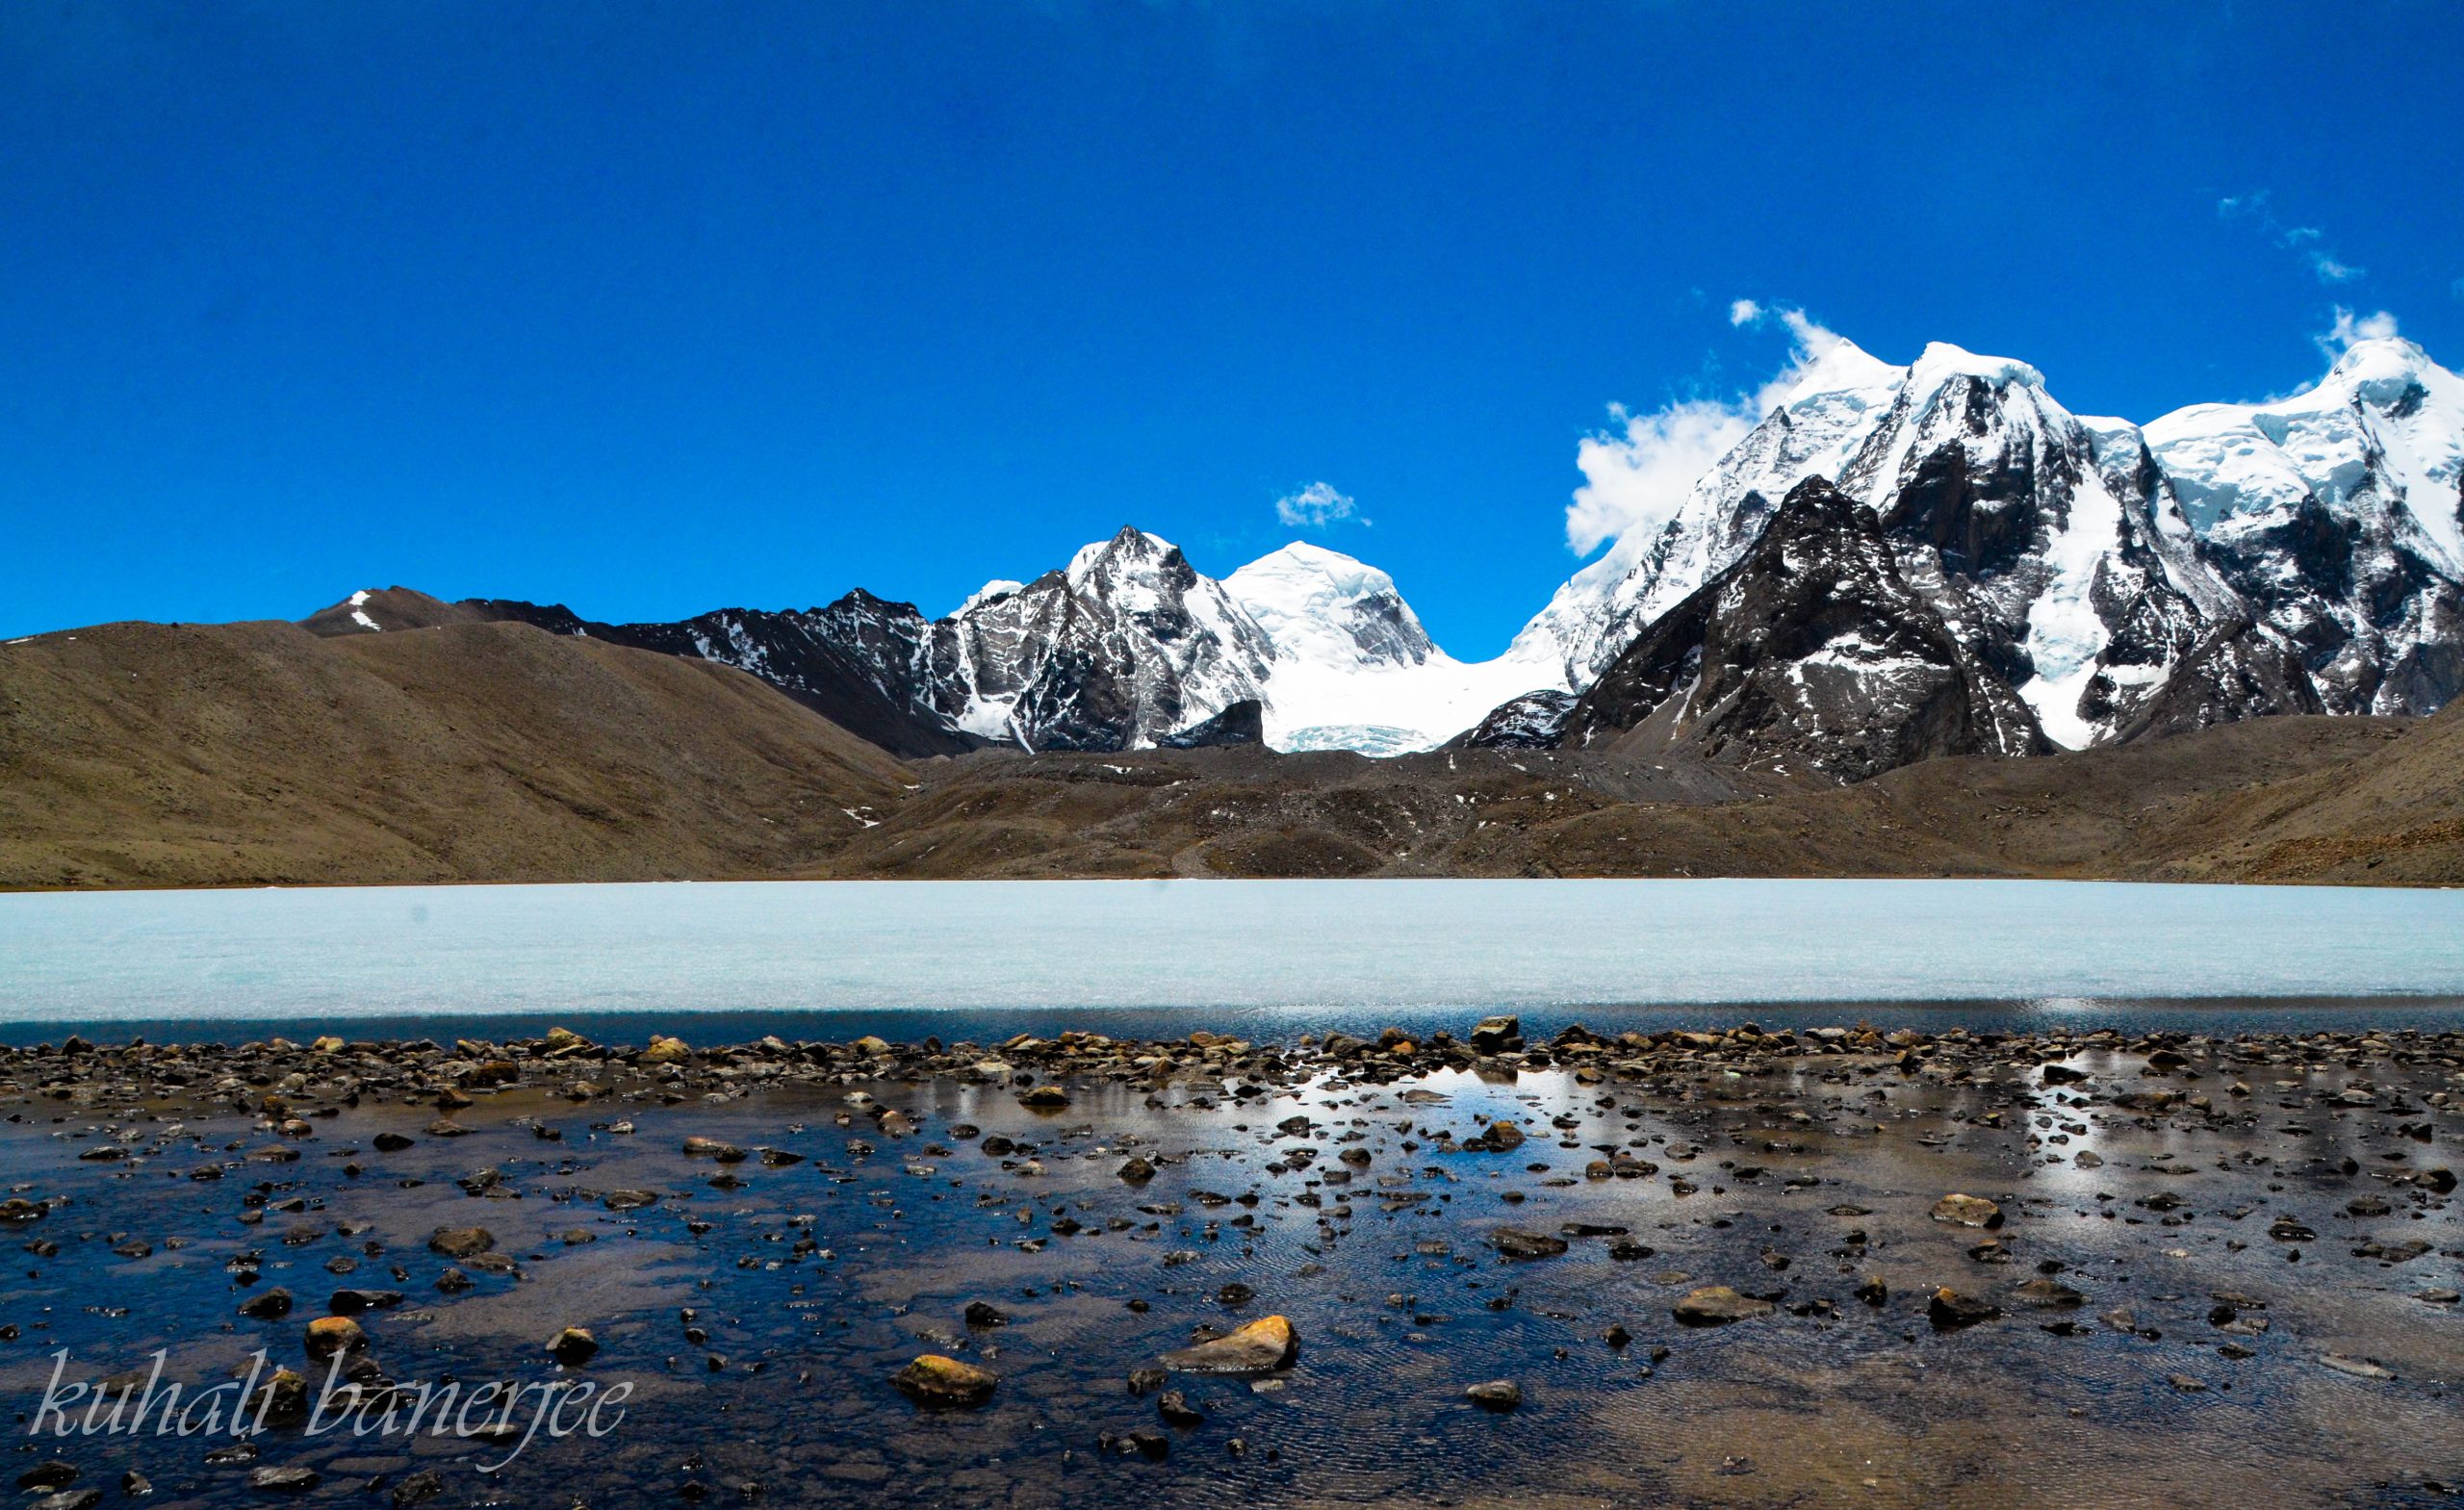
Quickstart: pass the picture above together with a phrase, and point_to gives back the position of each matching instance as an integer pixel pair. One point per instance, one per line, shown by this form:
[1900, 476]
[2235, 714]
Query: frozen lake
[1246, 947]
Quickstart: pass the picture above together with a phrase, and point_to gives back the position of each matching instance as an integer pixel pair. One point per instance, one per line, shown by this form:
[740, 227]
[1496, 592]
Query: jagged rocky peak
[1321, 605]
[2052, 546]
[1811, 652]
[2338, 513]
[1127, 644]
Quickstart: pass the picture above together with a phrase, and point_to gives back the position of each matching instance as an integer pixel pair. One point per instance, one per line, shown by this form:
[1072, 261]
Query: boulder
[1949, 1310]
[1967, 1211]
[1266, 1343]
[461, 1242]
[1520, 1242]
[329, 1334]
[1717, 1305]
[1501, 1034]
[938, 1382]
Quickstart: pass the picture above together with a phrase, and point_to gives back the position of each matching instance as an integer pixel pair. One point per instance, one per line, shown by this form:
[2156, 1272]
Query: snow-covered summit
[1941, 361]
[1355, 668]
[2385, 426]
[1324, 606]
[2339, 512]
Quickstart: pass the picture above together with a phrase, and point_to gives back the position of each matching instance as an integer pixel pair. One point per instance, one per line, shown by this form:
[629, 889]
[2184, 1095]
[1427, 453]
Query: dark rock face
[2379, 630]
[2234, 671]
[863, 662]
[1533, 721]
[1244, 723]
[1811, 649]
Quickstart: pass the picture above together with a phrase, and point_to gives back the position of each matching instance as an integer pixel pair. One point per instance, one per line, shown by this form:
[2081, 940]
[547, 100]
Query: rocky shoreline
[269, 1075]
[1032, 1272]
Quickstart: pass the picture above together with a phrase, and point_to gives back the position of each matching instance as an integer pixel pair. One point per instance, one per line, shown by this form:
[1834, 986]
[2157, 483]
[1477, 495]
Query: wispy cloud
[1316, 508]
[2338, 338]
[1636, 473]
[2306, 242]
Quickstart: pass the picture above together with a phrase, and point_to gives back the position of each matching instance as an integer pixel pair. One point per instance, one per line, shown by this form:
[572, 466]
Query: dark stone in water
[1519, 1242]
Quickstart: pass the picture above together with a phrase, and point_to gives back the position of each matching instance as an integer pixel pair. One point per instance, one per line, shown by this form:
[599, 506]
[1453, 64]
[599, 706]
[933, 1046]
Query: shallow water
[1207, 947]
[1388, 1276]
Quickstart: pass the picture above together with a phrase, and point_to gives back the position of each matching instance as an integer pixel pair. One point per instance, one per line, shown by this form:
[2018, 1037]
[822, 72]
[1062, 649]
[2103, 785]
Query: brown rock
[935, 1381]
[1266, 1343]
[1967, 1211]
[1717, 1305]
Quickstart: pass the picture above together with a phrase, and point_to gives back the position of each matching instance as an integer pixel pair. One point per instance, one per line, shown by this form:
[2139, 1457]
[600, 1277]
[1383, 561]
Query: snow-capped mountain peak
[1941, 361]
[998, 587]
[1354, 669]
[2043, 540]
[2339, 512]
[1321, 605]
[1840, 365]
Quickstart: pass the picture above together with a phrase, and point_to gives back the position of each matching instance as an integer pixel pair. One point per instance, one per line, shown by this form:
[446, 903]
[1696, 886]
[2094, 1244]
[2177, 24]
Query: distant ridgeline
[1896, 563]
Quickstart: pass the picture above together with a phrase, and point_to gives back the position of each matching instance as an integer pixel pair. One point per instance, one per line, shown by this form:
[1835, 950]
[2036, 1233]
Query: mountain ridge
[2223, 562]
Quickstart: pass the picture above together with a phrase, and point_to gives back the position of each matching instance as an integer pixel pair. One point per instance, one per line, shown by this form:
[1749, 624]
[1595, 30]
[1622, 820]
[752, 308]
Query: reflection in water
[762, 1309]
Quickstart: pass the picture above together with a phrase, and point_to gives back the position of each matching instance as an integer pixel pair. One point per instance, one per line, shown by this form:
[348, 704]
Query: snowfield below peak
[1354, 668]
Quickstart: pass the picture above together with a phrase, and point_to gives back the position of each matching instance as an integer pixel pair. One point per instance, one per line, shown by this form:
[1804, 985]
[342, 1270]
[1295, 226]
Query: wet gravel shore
[1811, 1266]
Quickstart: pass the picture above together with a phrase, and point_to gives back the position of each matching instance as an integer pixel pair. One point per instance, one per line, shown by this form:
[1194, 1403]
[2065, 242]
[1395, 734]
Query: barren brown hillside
[2279, 799]
[152, 755]
[146, 754]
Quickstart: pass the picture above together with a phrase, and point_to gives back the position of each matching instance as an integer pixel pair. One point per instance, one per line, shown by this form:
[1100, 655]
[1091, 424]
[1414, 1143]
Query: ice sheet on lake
[976, 945]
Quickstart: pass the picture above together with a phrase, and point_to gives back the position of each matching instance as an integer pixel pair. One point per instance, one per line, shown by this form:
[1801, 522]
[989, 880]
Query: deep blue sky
[652, 308]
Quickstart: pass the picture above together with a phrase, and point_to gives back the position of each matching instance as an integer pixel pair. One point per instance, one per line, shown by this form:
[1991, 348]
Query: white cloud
[2349, 327]
[1635, 477]
[1636, 474]
[1315, 507]
[2306, 242]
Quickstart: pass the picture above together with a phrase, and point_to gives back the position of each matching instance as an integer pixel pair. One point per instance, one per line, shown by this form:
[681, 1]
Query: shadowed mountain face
[861, 662]
[137, 753]
[1810, 650]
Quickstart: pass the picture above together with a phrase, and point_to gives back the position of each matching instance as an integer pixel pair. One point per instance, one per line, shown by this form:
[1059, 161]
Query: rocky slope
[1810, 649]
[861, 662]
[2290, 799]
